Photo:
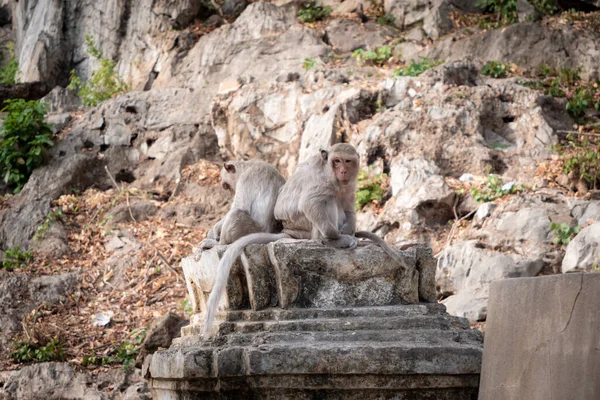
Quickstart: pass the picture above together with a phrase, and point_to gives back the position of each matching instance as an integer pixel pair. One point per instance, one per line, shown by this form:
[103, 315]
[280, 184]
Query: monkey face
[345, 168]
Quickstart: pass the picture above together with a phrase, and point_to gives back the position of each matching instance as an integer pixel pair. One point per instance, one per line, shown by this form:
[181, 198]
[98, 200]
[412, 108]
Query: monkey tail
[400, 259]
[231, 254]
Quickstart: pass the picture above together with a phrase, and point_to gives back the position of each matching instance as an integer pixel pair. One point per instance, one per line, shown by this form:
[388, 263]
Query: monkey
[317, 202]
[254, 185]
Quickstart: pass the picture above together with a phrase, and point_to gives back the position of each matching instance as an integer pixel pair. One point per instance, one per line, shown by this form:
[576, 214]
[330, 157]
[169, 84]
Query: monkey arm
[215, 232]
[350, 224]
[322, 214]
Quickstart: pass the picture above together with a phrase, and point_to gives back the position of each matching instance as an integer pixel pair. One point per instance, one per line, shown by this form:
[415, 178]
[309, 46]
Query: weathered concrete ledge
[543, 339]
[303, 321]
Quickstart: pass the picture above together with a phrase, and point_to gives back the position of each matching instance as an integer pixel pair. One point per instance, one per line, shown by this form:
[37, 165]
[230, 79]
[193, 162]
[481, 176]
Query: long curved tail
[231, 254]
[399, 258]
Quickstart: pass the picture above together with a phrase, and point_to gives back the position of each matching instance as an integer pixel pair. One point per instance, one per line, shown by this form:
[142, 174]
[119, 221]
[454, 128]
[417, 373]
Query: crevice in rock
[125, 176]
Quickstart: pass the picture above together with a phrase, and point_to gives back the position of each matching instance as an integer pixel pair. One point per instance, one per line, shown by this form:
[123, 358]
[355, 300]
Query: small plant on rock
[493, 189]
[387, 19]
[312, 12]
[584, 162]
[103, 83]
[309, 64]
[27, 351]
[417, 68]
[495, 69]
[370, 189]
[125, 353]
[53, 216]
[8, 73]
[377, 56]
[15, 258]
[563, 233]
[23, 140]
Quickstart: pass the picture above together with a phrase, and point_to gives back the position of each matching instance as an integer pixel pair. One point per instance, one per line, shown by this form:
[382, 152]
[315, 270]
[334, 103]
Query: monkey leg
[238, 223]
[323, 216]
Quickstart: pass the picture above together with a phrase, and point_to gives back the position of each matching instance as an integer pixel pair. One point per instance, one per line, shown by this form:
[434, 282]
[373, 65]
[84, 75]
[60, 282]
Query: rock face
[306, 320]
[54, 381]
[541, 339]
[583, 252]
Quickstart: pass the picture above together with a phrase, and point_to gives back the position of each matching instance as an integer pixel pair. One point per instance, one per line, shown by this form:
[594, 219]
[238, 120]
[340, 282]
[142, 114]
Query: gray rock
[52, 289]
[233, 7]
[62, 100]
[561, 341]
[526, 11]
[348, 35]
[139, 210]
[564, 47]
[585, 212]
[52, 242]
[54, 381]
[485, 210]
[58, 121]
[162, 332]
[530, 224]
[465, 271]
[583, 252]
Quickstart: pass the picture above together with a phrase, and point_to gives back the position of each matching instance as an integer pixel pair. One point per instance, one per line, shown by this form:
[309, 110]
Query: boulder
[58, 380]
[465, 271]
[583, 252]
[162, 332]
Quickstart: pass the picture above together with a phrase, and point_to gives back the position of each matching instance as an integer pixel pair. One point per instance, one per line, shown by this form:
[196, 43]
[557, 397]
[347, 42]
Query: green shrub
[311, 12]
[579, 103]
[23, 139]
[309, 64]
[15, 258]
[584, 164]
[563, 233]
[493, 189]
[377, 56]
[103, 83]
[125, 353]
[369, 188]
[8, 73]
[495, 69]
[507, 9]
[53, 216]
[417, 68]
[27, 351]
[387, 19]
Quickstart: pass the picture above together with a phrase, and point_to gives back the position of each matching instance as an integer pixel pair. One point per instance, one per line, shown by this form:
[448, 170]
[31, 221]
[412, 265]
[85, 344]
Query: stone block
[302, 273]
[542, 339]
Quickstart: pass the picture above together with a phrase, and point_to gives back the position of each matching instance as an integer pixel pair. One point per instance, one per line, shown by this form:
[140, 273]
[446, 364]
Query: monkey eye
[348, 161]
[336, 161]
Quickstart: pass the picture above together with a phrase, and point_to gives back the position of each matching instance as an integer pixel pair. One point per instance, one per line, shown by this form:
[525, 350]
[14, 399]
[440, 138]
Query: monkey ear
[229, 168]
[324, 155]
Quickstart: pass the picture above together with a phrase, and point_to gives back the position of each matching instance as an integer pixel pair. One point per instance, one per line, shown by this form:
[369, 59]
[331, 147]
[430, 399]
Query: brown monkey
[254, 185]
[317, 202]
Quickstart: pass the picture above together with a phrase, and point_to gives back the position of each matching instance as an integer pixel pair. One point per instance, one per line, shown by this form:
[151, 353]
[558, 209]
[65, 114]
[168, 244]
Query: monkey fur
[255, 186]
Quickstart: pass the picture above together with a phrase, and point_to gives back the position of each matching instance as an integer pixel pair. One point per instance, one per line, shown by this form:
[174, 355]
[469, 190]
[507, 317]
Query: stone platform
[304, 321]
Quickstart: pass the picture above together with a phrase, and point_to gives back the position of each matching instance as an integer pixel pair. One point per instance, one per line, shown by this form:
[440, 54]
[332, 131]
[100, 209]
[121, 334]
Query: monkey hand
[207, 244]
[343, 242]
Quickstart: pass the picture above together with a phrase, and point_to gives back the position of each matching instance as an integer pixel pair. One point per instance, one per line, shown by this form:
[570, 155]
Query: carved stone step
[336, 324]
[431, 336]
